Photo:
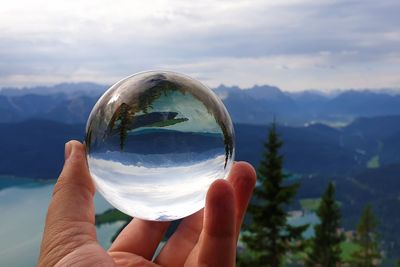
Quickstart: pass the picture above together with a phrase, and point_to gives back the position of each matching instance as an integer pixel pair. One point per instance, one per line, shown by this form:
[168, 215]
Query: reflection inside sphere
[155, 143]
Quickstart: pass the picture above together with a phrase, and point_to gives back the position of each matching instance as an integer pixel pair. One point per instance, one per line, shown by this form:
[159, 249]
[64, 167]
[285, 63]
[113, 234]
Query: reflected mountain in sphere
[155, 142]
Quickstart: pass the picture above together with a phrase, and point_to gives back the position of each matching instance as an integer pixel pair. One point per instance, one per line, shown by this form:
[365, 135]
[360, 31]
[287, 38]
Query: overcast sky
[292, 44]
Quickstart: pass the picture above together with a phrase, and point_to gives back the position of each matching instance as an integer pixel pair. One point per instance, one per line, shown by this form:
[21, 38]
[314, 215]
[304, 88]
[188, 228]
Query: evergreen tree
[367, 239]
[268, 236]
[325, 246]
[125, 118]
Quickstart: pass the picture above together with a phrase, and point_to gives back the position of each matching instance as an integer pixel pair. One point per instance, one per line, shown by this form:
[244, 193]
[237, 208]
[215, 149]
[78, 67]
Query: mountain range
[259, 104]
[71, 103]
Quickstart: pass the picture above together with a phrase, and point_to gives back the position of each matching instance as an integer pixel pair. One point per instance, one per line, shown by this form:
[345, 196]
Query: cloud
[293, 44]
[296, 72]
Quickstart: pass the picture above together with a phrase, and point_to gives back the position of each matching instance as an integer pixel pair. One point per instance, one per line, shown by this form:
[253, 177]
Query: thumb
[70, 217]
[73, 193]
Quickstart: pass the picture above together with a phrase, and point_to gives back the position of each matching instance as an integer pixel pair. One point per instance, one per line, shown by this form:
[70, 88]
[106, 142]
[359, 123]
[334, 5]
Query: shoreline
[8, 181]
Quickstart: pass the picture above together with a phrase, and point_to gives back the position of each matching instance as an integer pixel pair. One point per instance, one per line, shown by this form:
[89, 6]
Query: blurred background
[327, 71]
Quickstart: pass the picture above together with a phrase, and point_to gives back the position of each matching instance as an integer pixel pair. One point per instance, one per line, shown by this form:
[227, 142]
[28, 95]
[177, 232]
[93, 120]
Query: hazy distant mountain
[363, 103]
[73, 89]
[72, 103]
[259, 104]
[57, 107]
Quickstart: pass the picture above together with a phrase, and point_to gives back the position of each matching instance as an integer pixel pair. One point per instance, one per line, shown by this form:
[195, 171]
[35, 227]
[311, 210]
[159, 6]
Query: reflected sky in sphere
[155, 142]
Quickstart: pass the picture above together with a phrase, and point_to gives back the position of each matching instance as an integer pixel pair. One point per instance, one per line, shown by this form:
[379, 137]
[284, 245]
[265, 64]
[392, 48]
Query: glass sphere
[155, 142]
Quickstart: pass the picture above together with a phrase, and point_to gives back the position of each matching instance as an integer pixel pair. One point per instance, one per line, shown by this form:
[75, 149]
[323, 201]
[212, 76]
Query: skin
[207, 238]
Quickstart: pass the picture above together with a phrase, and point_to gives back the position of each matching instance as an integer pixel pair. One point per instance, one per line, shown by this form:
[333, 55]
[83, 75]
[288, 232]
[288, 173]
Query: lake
[23, 207]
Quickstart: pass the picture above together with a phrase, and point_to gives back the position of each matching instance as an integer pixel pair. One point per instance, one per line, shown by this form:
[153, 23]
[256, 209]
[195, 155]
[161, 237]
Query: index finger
[243, 179]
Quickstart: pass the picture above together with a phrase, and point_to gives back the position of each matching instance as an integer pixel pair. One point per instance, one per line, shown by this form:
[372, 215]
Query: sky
[293, 44]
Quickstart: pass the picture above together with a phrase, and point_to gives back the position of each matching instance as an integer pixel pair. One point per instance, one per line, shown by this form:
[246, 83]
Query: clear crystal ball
[155, 142]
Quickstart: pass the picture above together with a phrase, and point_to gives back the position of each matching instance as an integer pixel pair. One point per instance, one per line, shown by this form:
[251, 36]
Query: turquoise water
[309, 218]
[6, 181]
[23, 206]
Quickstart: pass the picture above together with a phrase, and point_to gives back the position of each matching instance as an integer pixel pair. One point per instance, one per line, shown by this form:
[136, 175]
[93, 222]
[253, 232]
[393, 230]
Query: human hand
[206, 238]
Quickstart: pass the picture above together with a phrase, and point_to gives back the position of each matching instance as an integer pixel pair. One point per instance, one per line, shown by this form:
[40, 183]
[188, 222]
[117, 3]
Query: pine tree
[325, 246]
[268, 236]
[125, 119]
[367, 239]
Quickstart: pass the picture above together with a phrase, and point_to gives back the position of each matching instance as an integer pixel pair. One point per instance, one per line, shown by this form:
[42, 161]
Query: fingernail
[67, 150]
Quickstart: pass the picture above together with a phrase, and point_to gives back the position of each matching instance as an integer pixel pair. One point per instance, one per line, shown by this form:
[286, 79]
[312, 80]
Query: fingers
[70, 217]
[180, 244]
[243, 179]
[218, 239]
[140, 237]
